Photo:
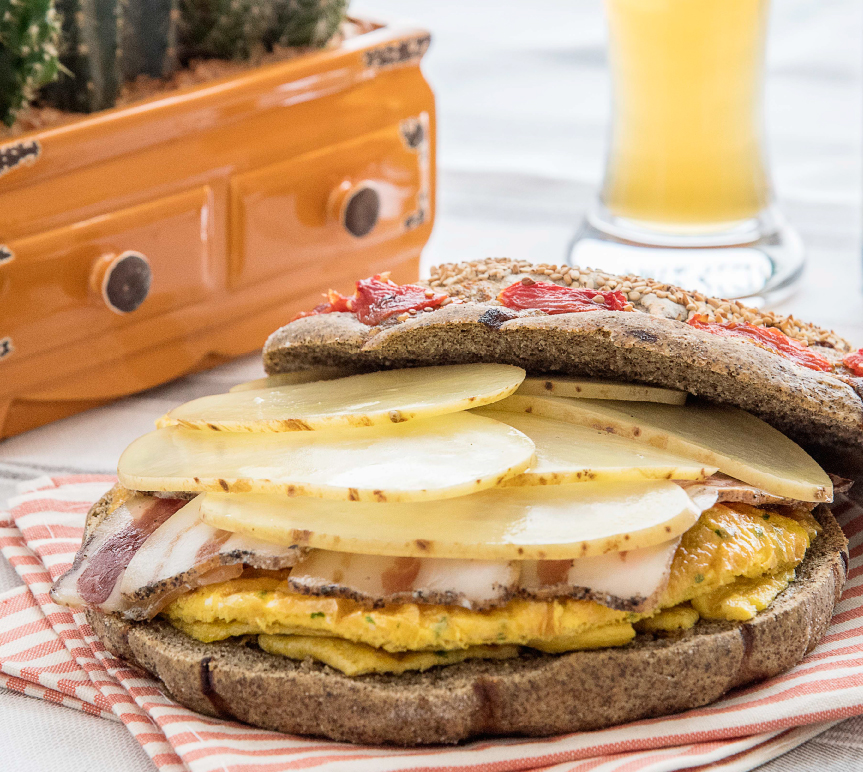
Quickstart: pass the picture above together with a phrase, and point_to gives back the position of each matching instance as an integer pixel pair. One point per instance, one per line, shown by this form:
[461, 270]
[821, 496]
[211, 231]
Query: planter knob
[358, 207]
[123, 281]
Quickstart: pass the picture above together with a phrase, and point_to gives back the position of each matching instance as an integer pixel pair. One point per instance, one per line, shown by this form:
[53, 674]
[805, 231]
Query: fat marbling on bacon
[93, 579]
[149, 550]
[631, 581]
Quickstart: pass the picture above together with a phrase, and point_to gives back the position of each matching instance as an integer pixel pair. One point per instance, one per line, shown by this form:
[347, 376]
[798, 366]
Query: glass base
[760, 260]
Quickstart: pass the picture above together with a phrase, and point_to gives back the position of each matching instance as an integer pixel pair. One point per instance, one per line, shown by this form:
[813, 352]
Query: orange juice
[686, 144]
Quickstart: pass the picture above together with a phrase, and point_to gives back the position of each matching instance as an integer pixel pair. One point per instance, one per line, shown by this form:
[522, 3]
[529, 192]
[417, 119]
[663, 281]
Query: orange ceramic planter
[145, 242]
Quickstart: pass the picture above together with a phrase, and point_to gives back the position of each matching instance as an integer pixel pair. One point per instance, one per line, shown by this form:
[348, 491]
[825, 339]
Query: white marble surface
[522, 92]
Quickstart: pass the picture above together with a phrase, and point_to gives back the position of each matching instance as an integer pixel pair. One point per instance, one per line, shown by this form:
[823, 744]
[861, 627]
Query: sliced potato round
[385, 397]
[438, 458]
[599, 388]
[567, 453]
[536, 523]
[290, 379]
[735, 441]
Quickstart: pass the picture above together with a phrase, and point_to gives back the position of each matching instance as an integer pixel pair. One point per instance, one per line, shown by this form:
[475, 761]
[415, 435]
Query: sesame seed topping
[482, 280]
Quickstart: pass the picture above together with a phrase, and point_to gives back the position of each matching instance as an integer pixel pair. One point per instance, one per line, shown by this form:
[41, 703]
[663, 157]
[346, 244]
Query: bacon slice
[184, 553]
[149, 550]
[630, 581]
[378, 579]
[726, 488]
[102, 559]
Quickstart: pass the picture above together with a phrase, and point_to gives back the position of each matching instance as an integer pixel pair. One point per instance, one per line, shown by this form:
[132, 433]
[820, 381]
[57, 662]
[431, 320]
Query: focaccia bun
[653, 346]
[535, 694]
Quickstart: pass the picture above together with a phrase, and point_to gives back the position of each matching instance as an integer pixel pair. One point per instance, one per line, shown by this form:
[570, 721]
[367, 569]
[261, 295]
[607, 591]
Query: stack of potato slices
[463, 461]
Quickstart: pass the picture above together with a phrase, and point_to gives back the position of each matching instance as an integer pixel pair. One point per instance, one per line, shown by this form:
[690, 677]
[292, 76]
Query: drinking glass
[687, 197]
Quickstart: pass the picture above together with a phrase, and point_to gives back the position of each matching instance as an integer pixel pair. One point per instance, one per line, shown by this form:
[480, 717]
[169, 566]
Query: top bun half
[654, 345]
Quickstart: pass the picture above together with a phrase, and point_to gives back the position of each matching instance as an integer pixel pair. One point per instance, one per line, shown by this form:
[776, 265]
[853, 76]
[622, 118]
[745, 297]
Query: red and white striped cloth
[47, 651]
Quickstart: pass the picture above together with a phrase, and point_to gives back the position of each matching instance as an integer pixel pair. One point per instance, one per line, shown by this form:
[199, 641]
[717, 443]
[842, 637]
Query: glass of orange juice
[687, 196]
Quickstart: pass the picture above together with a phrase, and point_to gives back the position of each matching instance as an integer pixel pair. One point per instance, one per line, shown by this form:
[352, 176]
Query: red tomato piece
[335, 302]
[378, 299]
[557, 299]
[768, 338]
[323, 308]
[339, 302]
[854, 362]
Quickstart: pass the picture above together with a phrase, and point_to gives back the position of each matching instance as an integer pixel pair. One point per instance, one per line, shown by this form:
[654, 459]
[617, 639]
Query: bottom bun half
[535, 694]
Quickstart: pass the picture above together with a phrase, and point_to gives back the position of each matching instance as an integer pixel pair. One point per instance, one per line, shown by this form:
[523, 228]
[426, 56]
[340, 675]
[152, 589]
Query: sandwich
[507, 500]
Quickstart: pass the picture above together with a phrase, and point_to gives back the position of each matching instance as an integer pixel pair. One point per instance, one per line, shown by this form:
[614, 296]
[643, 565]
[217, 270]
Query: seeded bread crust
[652, 346]
[536, 694]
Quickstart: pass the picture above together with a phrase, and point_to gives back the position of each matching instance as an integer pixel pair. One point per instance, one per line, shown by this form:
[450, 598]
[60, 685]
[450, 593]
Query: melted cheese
[730, 566]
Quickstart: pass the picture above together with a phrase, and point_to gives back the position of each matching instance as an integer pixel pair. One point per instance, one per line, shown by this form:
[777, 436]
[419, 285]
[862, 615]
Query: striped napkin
[47, 651]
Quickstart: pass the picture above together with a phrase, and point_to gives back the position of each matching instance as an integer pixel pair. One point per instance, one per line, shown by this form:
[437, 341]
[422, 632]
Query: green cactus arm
[307, 22]
[29, 31]
[98, 21]
[237, 29]
[224, 29]
[148, 38]
[88, 51]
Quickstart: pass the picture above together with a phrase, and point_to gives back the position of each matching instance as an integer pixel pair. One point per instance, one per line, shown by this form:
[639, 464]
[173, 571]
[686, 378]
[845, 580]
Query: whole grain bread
[535, 694]
[653, 346]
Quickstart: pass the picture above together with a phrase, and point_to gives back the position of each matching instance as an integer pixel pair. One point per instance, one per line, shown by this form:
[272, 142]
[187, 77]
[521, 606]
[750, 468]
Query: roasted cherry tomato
[378, 299]
[335, 302]
[768, 338]
[557, 299]
[854, 362]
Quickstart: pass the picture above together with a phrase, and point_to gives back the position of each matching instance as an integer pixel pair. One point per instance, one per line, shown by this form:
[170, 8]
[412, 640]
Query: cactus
[225, 29]
[108, 42]
[306, 22]
[238, 29]
[29, 30]
[88, 54]
[148, 38]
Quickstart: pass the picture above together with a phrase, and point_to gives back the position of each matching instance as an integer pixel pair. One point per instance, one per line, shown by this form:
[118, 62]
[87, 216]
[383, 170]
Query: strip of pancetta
[624, 580]
[94, 577]
[726, 488]
[184, 553]
[150, 550]
[630, 581]
[379, 579]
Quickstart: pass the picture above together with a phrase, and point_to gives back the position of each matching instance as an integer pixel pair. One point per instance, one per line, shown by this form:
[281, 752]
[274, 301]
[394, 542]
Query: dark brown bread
[535, 694]
[652, 346]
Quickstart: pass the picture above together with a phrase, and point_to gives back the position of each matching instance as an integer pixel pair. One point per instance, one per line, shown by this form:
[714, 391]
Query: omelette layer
[730, 565]
[360, 659]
